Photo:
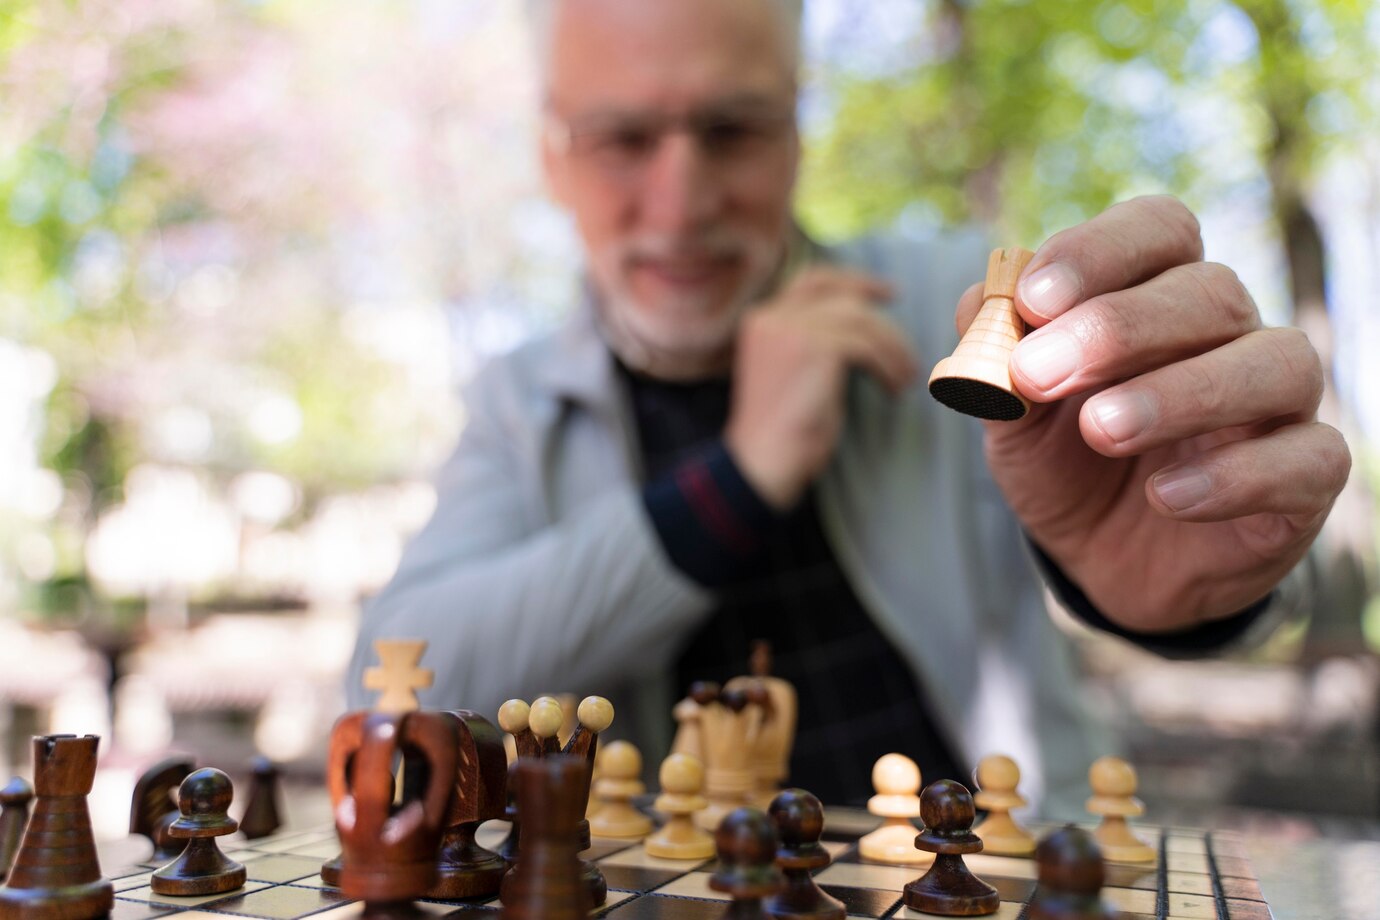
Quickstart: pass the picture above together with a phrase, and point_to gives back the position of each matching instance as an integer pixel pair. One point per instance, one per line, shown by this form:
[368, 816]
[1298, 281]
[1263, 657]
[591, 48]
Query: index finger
[1125, 245]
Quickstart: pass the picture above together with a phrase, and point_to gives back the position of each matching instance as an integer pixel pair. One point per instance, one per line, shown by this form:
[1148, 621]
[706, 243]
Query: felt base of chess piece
[464, 869]
[546, 882]
[799, 819]
[330, 870]
[204, 802]
[1071, 874]
[746, 843]
[56, 874]
[948, 888]
[14, 817]
[153, 807]
[261, 814]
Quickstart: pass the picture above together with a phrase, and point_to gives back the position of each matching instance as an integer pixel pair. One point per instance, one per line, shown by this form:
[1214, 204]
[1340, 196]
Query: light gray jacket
[540, 570]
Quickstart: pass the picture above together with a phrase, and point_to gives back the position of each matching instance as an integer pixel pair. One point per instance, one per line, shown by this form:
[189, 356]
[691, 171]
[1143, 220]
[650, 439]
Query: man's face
[671, 138]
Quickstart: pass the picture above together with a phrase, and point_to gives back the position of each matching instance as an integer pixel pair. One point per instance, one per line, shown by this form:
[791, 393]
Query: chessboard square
[863, 902]
[1245, 889]
[1248, 910]
[291, 842]
[1233, 867]
[1007, 910]
[638, 858]
[867, 875]
[1011, 889]
[1188, 883]
[836, 848]
[614, 898]
[1191, 907]
[130, 882]
[353, 909]
[1179, 843]
[1187, 862]
[1132, 877]
[1133, 900]
[636, 878]
[1010, 867]
[652, 907]
[848, 824]
[322, 849]
[280, 867]
[281, 902]
[604, 847]
[148, 894]
[694, 885]
[137, 910]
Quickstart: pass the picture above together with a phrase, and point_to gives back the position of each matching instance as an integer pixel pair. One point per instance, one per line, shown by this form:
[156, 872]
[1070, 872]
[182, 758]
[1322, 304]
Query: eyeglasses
[623, 143]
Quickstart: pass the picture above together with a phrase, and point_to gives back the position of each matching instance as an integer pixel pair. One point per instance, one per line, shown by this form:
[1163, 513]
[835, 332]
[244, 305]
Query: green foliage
[1035, 116]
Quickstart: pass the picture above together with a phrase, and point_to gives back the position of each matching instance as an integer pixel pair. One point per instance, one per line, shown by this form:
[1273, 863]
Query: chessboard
[1200, 875]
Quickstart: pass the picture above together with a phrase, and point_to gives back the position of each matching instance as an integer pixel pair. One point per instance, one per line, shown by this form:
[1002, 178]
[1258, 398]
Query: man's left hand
[1174, 468]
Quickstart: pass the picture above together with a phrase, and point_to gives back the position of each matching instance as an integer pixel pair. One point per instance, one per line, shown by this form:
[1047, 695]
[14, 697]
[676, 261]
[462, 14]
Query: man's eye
[627, 141]
[727, 136]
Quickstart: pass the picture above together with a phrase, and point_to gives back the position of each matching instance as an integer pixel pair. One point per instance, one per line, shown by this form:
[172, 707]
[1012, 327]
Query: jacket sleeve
[510, 607]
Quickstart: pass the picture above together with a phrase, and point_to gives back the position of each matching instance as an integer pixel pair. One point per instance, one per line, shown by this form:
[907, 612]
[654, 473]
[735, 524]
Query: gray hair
[541, 16]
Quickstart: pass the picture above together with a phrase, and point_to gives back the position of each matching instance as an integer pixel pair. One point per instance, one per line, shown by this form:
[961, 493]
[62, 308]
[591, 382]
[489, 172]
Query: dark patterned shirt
[777, 578]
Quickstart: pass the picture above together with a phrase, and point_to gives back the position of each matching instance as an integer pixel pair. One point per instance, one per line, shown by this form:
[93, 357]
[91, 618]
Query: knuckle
[1338, 456]
[1294, 359]
[1179, 224]
[1224, 295]
[1113, 327]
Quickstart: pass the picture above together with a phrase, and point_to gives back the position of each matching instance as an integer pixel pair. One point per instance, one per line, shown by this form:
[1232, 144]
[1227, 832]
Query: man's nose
[682, 191]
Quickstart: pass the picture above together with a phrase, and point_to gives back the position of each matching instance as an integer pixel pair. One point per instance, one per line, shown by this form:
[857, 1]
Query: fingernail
[1047, 359]
[1122, 416]
[1051, 290]
[1183, 488]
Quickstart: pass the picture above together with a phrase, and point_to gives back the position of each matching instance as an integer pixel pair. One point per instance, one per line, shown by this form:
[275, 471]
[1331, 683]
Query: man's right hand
[790, 370]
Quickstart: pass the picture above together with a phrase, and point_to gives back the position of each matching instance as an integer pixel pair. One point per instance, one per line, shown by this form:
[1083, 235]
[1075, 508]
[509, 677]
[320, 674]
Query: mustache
[712, 246]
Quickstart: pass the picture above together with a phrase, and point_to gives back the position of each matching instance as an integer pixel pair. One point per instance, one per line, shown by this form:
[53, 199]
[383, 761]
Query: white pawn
[997, 779]
[1113, 782]
[897, 781]
[620, 765]
[682, 795]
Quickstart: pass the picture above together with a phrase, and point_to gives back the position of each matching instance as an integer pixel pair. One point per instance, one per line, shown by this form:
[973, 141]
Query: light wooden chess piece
[976, 378]
[1113, 782]
[728, 725]
[771, 754]
[619, 783]
[897, 781]
[997, 779]
[682, 782]
[689, 732]
[398, 676]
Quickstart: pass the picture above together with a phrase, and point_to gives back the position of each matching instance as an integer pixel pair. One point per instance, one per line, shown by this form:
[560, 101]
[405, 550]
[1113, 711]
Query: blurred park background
[250, 249]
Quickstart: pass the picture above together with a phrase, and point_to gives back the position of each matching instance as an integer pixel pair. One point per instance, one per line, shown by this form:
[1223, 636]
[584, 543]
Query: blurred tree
[1030, 117]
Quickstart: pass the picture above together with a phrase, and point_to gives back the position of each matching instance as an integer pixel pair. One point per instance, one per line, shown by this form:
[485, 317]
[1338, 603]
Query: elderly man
[728, 440]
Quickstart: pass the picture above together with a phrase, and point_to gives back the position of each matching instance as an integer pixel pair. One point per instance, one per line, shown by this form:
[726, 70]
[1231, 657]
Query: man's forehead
[674, 53]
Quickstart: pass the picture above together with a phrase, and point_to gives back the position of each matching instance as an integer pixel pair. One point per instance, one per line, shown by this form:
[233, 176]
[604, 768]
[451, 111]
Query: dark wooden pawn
[204, 802]
[153, 807]
[57, 874]
[464, 869]
[1071, 874]
[799, 820]
[14, 815]
[261, 813]
[949, 888]
[546, 883]
[747, 845]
